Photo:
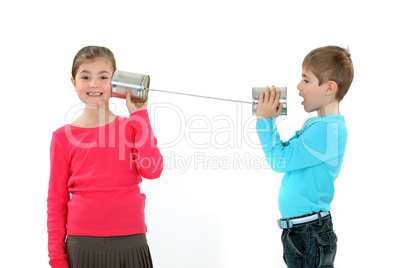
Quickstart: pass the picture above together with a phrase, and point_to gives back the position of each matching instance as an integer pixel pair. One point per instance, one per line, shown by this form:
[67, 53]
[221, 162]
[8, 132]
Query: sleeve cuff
[142, 113]
[266, 125]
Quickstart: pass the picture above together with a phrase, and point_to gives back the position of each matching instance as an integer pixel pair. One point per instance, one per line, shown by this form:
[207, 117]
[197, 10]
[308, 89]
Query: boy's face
[313, 94]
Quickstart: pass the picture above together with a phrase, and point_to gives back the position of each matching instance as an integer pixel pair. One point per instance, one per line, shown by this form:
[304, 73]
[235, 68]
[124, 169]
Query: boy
[311, 159]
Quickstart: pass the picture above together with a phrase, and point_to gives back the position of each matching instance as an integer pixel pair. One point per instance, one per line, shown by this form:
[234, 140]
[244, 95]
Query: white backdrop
[215, 205]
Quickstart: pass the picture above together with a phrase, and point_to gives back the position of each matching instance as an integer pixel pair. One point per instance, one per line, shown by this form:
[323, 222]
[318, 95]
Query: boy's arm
[318, 143]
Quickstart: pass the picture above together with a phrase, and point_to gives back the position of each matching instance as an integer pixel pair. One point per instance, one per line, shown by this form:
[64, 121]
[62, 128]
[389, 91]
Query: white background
[213, 214]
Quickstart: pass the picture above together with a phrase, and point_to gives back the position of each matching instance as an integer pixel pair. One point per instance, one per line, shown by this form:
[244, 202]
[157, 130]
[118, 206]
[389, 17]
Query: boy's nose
[299, 86]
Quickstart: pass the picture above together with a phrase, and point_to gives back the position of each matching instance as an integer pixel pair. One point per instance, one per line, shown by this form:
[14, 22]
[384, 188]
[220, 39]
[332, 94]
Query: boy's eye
[85, 78]
[305, 81]
[104, 78]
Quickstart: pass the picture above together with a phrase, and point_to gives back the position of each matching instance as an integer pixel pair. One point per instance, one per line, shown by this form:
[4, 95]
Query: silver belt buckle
[285, 224]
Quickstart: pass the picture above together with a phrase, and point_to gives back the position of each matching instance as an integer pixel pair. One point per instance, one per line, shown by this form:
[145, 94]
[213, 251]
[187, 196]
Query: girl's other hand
[134, 106]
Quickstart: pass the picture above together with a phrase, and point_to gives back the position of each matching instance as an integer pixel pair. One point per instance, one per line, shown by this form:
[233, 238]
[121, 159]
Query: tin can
[256, 91]
[138, 84]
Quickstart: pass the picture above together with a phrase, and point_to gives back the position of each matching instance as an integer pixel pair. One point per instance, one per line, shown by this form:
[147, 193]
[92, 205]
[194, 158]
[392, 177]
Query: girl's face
[92, 82]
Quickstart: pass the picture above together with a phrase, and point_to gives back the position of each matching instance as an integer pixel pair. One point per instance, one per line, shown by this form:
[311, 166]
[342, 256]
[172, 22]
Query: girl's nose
[94, 83]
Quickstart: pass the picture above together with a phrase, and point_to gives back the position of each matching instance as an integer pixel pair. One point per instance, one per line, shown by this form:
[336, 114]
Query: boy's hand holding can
[268, 104]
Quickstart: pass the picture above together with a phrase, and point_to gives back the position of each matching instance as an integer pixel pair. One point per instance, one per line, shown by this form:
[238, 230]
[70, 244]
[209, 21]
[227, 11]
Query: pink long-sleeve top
[94, 177]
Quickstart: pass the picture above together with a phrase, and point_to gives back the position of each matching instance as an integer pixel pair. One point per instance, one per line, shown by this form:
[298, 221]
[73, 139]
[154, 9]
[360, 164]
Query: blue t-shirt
[311, 161]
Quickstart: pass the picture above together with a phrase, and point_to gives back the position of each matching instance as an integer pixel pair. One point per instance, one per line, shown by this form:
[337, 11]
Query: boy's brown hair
[331, 63]
[92, 53]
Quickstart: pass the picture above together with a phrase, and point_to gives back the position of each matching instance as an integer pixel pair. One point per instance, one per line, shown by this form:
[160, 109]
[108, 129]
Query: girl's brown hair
[91, 53]
[331, 63]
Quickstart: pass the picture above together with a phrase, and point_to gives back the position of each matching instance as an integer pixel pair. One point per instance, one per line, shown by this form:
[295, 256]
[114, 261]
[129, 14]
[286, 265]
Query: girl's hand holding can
[134, 106]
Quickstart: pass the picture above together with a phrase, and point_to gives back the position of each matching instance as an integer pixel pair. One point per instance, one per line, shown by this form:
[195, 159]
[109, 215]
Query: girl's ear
[332, 88]
[73, 82]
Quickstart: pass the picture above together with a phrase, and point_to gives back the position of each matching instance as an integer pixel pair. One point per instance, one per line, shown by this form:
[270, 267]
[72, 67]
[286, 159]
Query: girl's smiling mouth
[95, 94]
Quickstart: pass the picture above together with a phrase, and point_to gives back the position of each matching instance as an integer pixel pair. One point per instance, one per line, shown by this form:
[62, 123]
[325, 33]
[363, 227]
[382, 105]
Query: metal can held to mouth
[138, 84]
[256, 91]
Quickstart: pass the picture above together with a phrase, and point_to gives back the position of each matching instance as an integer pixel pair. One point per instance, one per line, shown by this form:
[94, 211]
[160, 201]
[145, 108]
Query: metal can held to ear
[283, 98]
[138, 84]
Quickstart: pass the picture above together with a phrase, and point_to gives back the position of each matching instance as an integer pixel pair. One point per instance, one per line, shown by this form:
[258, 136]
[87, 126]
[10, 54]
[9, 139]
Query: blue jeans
[310, 245]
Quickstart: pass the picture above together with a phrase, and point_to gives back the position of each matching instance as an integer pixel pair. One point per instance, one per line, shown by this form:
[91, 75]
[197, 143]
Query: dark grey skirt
[108, 252]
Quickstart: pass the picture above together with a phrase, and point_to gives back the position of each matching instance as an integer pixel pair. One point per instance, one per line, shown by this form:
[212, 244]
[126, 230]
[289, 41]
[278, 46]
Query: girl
[97, 162]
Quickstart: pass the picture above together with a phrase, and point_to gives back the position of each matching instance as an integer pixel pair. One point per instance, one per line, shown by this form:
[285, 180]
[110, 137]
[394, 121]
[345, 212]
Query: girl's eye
[104, 78]
[305, 81]
[85, 78]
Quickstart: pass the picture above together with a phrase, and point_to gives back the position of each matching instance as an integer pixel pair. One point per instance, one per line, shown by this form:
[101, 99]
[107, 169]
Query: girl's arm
[147, 156]
[58, 197]
[145, 152]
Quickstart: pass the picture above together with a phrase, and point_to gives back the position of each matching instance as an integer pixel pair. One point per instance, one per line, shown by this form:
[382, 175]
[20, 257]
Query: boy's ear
[332, 87]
